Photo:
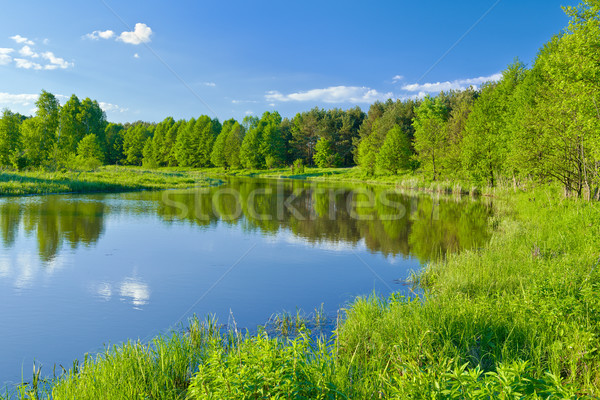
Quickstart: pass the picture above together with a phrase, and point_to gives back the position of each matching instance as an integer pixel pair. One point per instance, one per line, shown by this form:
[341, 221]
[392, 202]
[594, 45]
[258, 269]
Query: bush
[298, 166]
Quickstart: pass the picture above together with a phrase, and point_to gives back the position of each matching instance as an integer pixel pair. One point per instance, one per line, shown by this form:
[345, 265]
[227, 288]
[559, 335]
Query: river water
[80, 272]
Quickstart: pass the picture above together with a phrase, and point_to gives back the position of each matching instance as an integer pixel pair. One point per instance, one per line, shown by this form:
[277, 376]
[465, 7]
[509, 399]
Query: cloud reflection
[136, 291]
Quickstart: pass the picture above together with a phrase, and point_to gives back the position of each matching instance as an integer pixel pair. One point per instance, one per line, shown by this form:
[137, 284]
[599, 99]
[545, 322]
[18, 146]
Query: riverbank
[407, 181]
[105, 179]
[519, 317]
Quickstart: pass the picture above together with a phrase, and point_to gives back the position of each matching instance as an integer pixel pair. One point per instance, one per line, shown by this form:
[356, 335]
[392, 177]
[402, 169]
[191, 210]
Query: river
[80, 272]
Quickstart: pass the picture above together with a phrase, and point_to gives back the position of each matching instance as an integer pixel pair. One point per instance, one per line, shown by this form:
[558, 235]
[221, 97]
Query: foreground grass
[519, 318]
[105, 179]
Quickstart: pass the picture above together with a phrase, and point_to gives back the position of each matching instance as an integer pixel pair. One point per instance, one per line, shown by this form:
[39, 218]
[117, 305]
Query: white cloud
[107, 34]
[136, 55]
[26, 64]
[243, 101]
[55, 62]
[141, 34]
[17, 99]
[333, 94]
[22, 40]
[397, 78]
[27, 52]
[249, 112]
[5, 57]
[210, 84]
[459, 84]
[108, 107]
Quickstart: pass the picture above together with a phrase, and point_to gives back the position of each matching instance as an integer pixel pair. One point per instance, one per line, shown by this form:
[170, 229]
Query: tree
[430, 134]
[250, 156]
[134, 142]
[89, 152]
[233, 145]
[10, 136]
[395, 153]
[486, 138]
[306, 130]
[461, 105]
[263, 145]
[383, 117]
[272, 145]
[45, 124]
[184, 144]
[567, 103]
[149, 154]
[218, 156]
[114, 135]
[70, 130]
[324, 155]
[162, 141]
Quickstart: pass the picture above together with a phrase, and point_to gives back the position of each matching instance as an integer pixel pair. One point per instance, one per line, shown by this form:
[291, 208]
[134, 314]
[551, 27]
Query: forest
[538, 123]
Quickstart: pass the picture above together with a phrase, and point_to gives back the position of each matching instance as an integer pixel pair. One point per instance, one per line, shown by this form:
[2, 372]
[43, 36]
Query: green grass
[519, 318]
[105, 179]
[407, 181]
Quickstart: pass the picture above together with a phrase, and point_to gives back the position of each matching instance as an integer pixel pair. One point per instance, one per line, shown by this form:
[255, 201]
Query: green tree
[430, 138]
[89, 152]
[567, 103]
[324, 156]
[39, 145]
[395, 153]
[149, 158]
[134, 142]
[10, 136]
[163, 141]
[185, 144]
[218, 156]
[486, 137]
[233, 145]
[114, 135]
[272, 146]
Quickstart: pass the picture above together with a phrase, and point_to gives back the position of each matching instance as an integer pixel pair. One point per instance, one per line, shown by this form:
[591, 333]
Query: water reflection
[76, 270]
[386, 221]
[135, 291]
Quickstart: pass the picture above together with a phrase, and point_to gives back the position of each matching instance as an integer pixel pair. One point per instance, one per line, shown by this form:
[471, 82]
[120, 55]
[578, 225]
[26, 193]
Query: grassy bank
[407, 181]
[519, 318]
[105, 179]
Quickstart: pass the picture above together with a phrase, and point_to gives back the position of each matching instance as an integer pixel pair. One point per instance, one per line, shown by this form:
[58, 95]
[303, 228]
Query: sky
[150, 59]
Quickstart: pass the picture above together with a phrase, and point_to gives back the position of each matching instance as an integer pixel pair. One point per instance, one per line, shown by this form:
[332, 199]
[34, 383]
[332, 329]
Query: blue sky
[146, 60]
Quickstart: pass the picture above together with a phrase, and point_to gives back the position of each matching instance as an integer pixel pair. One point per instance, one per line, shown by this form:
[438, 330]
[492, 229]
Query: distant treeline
[540, 123]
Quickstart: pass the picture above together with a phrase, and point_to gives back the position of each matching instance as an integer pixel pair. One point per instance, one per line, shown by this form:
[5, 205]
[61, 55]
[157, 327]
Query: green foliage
[486, 137]
[395, 154]
[298, 167]
[89, 153]
[324, 155]
[134, 140]
[150, 154]
[10, 136]
[219, 153]
[382, 118]
[114, 135]
[233, 146]
[430, 134]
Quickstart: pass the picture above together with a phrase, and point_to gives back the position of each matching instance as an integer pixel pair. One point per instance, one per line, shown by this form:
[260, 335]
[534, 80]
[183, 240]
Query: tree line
[538, 123]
